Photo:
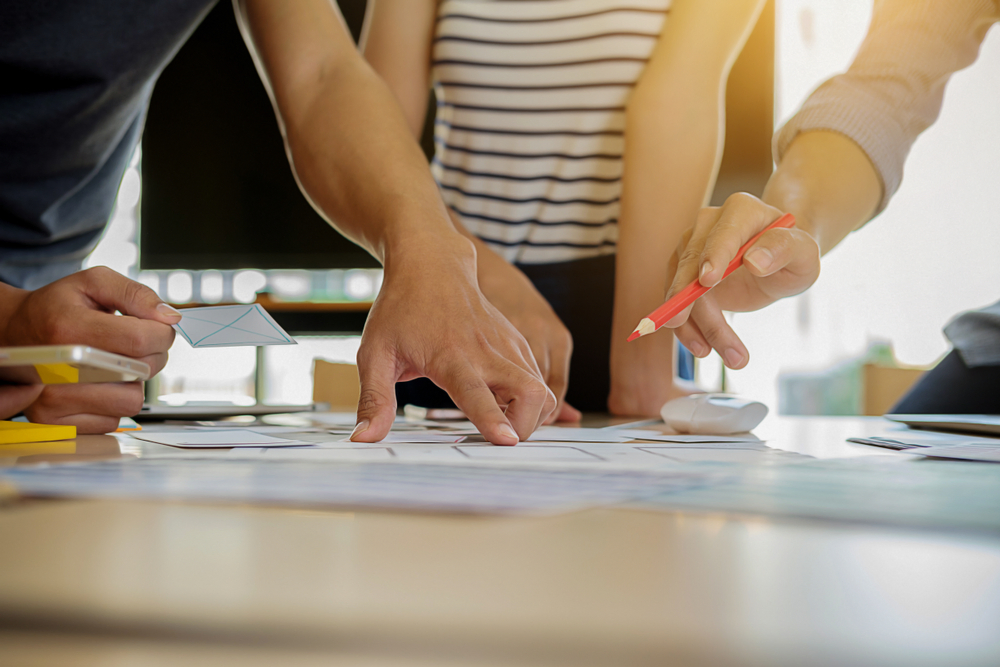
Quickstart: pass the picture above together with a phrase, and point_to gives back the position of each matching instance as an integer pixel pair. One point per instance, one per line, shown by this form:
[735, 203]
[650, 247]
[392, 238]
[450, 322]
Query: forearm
[671, 158]
[357, 162]
[828, 183]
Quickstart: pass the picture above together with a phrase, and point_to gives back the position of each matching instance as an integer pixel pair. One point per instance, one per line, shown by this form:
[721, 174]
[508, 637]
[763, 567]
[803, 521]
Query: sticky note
[18, 432]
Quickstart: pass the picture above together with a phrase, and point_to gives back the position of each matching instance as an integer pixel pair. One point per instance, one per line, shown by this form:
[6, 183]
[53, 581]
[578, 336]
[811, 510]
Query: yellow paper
[58, 373]
[38, 448]
[19, 432]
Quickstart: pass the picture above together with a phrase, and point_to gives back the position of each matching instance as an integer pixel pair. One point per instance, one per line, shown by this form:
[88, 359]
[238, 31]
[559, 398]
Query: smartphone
[67, 364]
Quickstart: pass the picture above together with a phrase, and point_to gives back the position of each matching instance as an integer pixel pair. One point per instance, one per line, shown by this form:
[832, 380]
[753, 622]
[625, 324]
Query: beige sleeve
[894, 88]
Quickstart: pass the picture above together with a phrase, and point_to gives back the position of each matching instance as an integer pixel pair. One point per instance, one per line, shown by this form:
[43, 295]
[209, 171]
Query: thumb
[377, 403]
[116, 292]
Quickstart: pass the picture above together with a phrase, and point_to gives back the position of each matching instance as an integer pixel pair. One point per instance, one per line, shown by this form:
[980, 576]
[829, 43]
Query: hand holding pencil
[779, 260]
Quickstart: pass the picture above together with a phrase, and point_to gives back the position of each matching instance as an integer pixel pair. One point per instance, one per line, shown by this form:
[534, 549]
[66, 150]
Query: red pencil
[689, 294]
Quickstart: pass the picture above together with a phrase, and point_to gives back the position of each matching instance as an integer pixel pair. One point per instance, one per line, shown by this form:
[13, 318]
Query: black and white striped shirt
[531, 118]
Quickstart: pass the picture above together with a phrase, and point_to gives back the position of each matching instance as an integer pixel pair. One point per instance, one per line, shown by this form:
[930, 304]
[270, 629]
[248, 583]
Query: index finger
[125, 335]
[688, 258]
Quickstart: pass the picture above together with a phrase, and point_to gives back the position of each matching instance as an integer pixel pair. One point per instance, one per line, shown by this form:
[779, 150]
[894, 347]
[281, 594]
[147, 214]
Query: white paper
[559, 434]
[965, 452]
[416, 438]
[659, 437]
[360, 484]
[230, 326]
[215, 438]
[526, 452]
[546, 455]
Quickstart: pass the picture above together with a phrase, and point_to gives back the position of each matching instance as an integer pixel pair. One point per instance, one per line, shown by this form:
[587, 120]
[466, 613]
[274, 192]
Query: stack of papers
[938, 445]
[215, 438]
[367, 485]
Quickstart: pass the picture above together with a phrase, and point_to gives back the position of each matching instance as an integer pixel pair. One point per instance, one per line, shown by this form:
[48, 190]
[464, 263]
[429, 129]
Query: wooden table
[138, 583]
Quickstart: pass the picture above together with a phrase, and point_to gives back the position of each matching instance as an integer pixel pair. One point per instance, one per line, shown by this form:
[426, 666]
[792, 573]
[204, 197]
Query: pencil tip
[646, 326]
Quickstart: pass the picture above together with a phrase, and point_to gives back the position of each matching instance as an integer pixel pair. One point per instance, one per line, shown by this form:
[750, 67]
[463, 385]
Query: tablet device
[67, 364]
[987, 424]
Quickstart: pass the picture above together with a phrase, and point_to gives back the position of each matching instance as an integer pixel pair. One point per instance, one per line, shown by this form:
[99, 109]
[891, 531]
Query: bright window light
[246, 284]
[211, 287]
[180, 287]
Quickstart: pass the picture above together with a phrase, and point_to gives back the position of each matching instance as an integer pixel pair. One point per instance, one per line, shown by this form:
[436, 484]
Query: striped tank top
[531, 118]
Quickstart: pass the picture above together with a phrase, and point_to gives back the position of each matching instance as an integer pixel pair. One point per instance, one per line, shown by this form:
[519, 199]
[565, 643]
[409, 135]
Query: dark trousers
[951, 387]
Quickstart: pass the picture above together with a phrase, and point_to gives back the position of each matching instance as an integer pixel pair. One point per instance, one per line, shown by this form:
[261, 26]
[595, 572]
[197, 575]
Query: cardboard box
[336, 384]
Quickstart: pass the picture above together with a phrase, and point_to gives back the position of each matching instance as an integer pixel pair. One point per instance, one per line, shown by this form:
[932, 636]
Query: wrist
[439, 249]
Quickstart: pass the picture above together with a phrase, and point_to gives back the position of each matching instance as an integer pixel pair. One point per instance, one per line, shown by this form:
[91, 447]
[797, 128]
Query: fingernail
[168, 310]
[706, 267]
[732, 357]
[760, 258]
[360, 428]
[507, 431]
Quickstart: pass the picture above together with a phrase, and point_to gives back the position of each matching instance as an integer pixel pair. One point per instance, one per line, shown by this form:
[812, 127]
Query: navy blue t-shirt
[75, 81]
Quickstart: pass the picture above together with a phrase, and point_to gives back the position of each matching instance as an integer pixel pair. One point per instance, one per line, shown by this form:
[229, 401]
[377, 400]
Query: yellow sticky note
[38, 448]
[18, 432]
[58, 373]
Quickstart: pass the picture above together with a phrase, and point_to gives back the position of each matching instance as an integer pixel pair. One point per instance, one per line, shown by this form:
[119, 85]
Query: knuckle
[134, 344]
[535, 391]
[135, 292]
[740, 200]
[713, 332]
[689, 255]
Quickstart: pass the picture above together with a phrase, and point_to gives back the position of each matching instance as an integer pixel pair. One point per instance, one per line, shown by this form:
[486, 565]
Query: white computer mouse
[713, 414]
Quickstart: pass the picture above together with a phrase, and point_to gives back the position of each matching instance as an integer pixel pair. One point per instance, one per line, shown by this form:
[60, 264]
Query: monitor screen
[217, 189]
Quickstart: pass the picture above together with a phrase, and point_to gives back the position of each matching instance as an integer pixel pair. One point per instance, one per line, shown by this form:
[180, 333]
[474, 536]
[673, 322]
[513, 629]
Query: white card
[685, 437]
[560, 434]
[230, 326]
[215, 438]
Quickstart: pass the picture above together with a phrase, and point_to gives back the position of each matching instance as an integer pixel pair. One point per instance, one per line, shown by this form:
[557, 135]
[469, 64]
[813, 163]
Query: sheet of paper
[560, 434]
[417, 438]
[262, 429]
[215, 438]
[230, 326]
[687, 438]
[965, 452]
[351, 485]
[545, 455]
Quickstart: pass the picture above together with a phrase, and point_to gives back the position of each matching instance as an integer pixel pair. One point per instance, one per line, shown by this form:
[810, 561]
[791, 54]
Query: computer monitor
[217, 189]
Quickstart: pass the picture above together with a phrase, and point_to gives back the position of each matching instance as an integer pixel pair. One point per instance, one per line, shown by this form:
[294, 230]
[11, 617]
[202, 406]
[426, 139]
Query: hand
[79, 310]
[431, 320]
[783, 262]
[15, 398]
[550, 341]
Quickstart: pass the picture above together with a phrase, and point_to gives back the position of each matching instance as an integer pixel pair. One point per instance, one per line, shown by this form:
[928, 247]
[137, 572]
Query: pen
[690, 294]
